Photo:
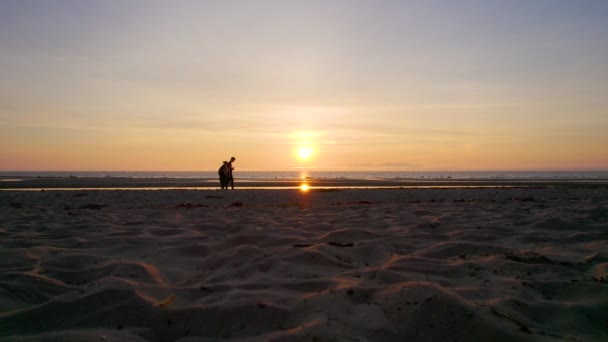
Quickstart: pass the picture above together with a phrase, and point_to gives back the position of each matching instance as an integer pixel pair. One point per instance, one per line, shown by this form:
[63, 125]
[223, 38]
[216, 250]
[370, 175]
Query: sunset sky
[281, 85]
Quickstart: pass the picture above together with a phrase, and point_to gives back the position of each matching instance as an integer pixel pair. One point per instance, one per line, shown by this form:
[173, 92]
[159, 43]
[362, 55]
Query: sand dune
[283, 265]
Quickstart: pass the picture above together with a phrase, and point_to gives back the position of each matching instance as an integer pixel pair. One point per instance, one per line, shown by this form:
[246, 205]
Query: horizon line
[333, 170]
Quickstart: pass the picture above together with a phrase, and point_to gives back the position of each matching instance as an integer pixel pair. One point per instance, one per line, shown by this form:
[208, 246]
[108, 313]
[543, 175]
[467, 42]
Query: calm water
[287, 175]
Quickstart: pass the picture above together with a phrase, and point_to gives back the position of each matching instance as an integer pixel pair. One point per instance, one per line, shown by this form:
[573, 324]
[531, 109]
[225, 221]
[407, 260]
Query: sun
[305, 152]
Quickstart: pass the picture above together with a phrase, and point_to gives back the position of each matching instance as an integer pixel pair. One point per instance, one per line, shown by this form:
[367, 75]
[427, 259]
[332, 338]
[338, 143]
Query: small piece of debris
[338, 244]
[167, 301]
[206, 289]
[93, 206]
[190, 206]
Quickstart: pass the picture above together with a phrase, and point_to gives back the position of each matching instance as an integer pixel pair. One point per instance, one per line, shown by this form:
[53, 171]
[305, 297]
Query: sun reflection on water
[304, 187]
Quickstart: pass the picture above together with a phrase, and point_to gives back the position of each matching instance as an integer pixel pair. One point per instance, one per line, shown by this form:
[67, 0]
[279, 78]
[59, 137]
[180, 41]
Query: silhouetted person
[223, 173]
[229, 168]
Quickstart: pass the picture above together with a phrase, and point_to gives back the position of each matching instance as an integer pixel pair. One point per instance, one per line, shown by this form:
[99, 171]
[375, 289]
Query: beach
[328, 264]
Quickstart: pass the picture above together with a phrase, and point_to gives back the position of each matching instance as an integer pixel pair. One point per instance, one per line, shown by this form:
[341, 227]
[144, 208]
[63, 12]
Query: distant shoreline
[23, 183]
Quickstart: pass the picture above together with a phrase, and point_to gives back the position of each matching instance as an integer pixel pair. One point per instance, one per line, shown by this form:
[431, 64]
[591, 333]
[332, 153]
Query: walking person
[229, 177]
[223, 173]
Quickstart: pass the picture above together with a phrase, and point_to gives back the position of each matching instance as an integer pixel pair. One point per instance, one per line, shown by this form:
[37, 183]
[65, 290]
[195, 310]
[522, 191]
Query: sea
[312, 174]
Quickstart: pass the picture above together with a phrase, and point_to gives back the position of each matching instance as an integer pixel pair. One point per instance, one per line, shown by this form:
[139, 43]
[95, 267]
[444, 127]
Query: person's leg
[231, 182]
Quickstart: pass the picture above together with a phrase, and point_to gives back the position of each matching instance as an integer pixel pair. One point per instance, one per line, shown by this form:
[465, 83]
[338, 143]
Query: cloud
[386, 165]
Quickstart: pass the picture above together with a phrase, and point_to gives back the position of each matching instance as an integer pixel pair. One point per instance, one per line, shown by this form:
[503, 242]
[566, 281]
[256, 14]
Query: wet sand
[244, 183]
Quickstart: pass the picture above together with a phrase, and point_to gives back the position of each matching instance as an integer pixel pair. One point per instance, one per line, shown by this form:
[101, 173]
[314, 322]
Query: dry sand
[283, 265]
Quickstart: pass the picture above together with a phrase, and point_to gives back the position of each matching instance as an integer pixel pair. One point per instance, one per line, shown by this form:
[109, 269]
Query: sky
[319, 85]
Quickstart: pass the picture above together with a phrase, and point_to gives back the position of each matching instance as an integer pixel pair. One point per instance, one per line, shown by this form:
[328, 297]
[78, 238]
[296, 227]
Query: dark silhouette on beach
[223, 173]
[229, 177]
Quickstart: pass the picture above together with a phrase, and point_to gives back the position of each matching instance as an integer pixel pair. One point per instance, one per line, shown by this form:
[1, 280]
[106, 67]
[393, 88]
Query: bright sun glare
[304, 152]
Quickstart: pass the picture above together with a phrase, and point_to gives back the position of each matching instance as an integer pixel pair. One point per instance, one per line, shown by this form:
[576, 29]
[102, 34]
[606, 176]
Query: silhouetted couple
[225, 173]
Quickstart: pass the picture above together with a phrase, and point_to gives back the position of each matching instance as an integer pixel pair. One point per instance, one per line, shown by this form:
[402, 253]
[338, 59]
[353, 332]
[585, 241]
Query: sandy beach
[485, 264]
